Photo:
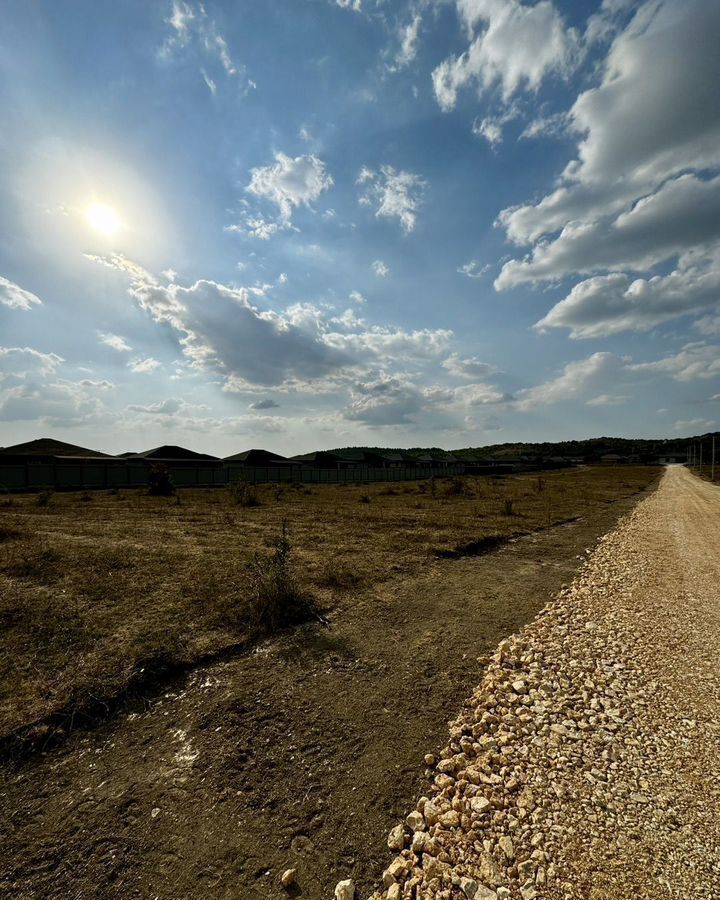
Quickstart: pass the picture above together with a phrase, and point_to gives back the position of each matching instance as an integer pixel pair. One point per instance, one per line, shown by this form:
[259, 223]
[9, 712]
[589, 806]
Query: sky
[300, 224]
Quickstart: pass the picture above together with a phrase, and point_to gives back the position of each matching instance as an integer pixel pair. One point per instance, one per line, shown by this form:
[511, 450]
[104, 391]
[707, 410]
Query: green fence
[98, 475]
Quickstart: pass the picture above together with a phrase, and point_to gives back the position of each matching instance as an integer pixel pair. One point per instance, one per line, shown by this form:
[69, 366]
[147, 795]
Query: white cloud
[608, 400]
[574, 379]
[143, 366]
[290, 183]
[355, 5]
[114, 341]
[516, 47]
[684, 214]
[357, 297]
[380, 268]
[21, 362]
[638, 128]
[490, 129]
[693, 425]
[395, 194]
[694, 361]
[265, 403]
[193, 32]
[15, 297]
[555, 125]
[610, 304]
[409, 35]
[468, 367]
[474, 269]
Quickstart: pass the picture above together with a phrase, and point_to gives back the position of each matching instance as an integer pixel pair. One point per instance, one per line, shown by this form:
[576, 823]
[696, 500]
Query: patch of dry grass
[93, 592]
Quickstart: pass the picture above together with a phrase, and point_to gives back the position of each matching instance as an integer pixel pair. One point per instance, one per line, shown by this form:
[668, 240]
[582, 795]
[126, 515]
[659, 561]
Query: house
[325, 459]
[667, 459]
[258, 458]
[170, 453]
[49, 447]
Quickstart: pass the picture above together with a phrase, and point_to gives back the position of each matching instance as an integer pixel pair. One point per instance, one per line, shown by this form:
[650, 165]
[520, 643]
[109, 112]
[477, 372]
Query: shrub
[508, 508]
[160, 483]
[44, 498]
[277, 599]
[539, 485]
[243, 494]
[85, 497]
[9, 533]
[364, 498]
[456, 487]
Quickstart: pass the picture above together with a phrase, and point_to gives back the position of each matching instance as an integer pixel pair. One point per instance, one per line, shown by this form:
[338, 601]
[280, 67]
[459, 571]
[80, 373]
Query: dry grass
[93, 592]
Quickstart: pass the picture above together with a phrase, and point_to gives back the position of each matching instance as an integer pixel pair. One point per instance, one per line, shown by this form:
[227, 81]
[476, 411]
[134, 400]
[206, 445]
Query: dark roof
[49, 447]
[319, 456]
[170, 451]
[256, 457]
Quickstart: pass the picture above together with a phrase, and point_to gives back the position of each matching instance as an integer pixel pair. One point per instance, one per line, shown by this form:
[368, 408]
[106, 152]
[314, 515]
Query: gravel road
[587, 762]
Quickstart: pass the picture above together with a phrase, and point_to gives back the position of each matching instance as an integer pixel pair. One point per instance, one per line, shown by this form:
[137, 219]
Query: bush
[160, 483]
[243, 494]
[456, 487]
[44, 498]
[508, 508]
[364, 498]
[277, 600]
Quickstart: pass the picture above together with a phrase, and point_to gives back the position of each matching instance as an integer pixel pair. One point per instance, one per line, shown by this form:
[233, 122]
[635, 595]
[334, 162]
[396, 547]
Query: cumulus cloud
[381, 269]
[114, 341]
[143, 366]
[512, 46]
[354, 5]
[290, 182]
[693, 425]
[221, 331]
[393, 194]
[490, 129]
[357, 297]
[468, 367]
[694, 361]
[20, 362]
[15, 297]
[637, 128]
[610, 304]
[572, 382]
[683, 214]
[265, 403]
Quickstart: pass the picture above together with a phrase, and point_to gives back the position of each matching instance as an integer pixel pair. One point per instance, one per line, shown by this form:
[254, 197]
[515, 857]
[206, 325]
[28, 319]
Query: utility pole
[700, 472]
[712, 461]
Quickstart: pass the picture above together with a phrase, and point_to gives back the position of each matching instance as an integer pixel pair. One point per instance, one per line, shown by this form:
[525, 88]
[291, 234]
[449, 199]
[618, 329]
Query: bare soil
[301, 754]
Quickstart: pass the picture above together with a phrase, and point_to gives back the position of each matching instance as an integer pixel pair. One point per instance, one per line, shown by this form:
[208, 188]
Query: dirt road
[587, 762]
[302, 754]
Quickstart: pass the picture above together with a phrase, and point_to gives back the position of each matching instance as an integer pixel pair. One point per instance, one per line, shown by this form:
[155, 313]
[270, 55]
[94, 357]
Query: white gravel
[587, 762]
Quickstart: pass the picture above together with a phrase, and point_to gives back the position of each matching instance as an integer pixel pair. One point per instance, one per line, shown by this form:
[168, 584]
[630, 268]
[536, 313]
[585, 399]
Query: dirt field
[99, 591]
[587, 762]
[304, 752]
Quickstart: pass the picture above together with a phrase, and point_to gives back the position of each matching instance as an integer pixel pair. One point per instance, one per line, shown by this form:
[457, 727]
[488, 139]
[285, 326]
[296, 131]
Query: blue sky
[307, 223]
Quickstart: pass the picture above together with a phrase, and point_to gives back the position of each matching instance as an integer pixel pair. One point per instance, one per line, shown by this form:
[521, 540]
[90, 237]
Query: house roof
[170, 451]
[261, 457]
[50, 447]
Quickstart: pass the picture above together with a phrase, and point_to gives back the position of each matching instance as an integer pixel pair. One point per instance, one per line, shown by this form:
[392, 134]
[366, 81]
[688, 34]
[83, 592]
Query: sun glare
[103, 218]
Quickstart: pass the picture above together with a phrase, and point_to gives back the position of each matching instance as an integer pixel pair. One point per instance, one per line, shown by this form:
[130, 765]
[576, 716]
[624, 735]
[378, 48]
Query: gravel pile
[587, 762]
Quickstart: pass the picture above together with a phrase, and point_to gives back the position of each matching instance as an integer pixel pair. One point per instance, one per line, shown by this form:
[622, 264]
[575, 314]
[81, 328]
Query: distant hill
[50, 447]
[590, 449]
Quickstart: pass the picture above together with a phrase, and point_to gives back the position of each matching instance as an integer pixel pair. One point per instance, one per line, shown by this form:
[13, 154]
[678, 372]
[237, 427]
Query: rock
[480, 805]
[393, 892]
[415, 821]
[469, 887]
[345, 890]
[430, 759]
[288, 878]
[520, 687]
[451, 819]
[396, 838]
[506, 845]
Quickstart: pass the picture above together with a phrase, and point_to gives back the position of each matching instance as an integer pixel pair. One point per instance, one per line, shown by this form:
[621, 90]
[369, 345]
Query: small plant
[243, 494]
[160, 483]
[277, 599]
[539, 485]
[456, 487]
[338, 576]
[85, 497]
[433, 487]
[363, 498]
[44, 498]
[508, 508]
[9, 533]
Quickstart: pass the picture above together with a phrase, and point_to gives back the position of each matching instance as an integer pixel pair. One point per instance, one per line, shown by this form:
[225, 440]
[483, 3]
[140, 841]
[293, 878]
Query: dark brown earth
[303, 754]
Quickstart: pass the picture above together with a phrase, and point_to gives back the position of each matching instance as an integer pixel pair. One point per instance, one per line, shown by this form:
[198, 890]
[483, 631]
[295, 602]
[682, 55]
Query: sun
[103, 218]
